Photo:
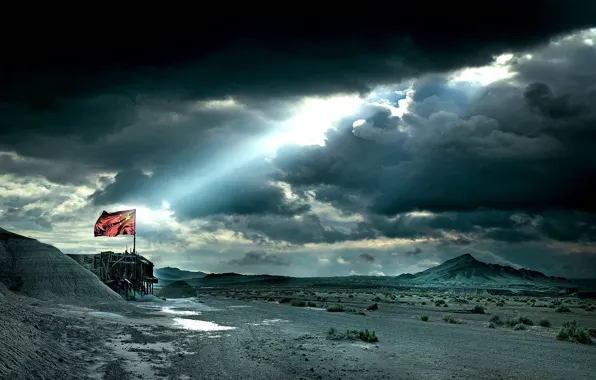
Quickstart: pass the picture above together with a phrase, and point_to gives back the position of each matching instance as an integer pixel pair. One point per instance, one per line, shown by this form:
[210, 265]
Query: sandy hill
[465, 270]
[42, 271]
[177, 289]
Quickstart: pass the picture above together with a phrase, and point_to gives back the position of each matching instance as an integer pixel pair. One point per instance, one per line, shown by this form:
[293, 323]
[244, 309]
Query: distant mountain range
[462, 271]
[465, 270]
[174, 274]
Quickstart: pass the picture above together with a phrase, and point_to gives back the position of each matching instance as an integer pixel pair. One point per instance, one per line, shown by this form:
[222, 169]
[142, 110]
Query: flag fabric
[116, 223]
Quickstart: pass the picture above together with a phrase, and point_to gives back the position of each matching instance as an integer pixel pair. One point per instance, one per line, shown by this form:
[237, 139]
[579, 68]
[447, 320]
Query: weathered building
[126, 273]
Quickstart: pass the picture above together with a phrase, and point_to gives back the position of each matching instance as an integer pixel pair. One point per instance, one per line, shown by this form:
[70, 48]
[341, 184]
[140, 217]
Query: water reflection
[170, 310]
[196, 325]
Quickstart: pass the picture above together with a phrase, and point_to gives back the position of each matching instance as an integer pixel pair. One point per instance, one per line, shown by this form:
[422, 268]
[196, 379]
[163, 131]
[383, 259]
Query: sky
[378, 143]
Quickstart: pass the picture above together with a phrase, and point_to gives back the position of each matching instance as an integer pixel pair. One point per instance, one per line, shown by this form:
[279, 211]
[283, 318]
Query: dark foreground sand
[228, 338]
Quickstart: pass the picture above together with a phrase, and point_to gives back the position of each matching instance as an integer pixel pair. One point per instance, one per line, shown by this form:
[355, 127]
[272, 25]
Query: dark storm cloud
[240, 193]
[88, 89]
[307, 228]
[65, 173]
[520, 158]
[367, 257]
[260, 258]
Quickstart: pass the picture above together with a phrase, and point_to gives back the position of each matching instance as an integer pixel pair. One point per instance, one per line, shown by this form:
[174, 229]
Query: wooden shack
[126, 273]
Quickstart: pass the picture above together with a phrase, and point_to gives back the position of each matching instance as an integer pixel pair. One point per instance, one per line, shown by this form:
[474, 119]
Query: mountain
[174, 274]
[465, 270]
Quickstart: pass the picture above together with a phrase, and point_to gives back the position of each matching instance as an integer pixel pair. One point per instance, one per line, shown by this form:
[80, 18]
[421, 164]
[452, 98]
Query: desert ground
[269, 334]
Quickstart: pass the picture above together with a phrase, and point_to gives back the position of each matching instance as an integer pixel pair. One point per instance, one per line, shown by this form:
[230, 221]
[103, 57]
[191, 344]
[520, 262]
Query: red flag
[116, 223]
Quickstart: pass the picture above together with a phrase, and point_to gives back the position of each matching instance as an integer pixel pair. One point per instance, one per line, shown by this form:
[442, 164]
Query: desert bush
[544, 323]
[519, 326]
[374, 306]
[500, 303]
[311, 304]
[491, 325]
[376, 299]
[364, 335]
[270, 299]
[424, 318]
[512, 322]
[285, 300]
[572, 332]
[449, 319]
[298, 303]
[496, 319]
[592, 332]
[562, 309]
[423, 303]
[477, 310]
[335, 308]
[439, 302]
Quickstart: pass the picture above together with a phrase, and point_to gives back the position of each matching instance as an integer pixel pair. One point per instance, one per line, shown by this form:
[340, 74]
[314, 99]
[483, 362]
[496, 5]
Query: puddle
[363, 346]
[180, 306]
[104, 314]
[268, 322]
[196, 325]
[170, 310]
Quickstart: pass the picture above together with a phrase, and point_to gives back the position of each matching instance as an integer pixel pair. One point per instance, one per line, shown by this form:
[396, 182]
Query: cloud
[367, 257]
[449, 159]
[260, 258]
[414, 252]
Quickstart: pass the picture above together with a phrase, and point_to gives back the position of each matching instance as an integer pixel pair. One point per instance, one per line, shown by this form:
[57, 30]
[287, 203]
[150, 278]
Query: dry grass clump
[364, 335]
[572, 332]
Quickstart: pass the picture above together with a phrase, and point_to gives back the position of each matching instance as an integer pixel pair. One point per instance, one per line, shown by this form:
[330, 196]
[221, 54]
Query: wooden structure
[127, 273]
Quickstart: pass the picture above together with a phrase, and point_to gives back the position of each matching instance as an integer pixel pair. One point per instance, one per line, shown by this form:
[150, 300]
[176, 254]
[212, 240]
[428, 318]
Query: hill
[465, 270]
[42, 271]
[170, 273]
[177, 289]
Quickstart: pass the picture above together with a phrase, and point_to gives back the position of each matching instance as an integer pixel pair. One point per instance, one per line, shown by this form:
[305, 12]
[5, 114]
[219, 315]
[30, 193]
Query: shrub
[477, 310]
[298, 303]
[423, 303]
[519, 326]
[496, 319]
[311, 304]
[449, 319]
[544, 323]
[572, 332]
[285, 300]
[500, 303]
[491, 325]
[335, 308]
[512, 322]
[372, 307]
[365, 335]
[562, 309]
[424, 318]
[592, 332]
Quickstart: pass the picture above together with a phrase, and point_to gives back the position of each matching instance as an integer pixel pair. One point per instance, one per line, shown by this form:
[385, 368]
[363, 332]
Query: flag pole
[134, 239]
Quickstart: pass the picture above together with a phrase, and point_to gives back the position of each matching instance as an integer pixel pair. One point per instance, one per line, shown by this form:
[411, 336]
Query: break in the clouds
[339, 156]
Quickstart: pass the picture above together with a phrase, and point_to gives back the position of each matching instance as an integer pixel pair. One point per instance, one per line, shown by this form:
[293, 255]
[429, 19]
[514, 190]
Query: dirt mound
[177, 289]
[40, 270]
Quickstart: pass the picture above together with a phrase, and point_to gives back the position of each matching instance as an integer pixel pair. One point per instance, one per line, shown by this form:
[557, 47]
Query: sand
[48, 274]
